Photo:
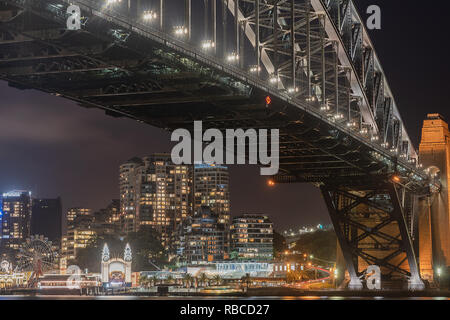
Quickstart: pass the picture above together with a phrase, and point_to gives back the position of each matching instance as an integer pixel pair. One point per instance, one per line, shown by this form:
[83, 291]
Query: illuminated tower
[211, 188]
[16, 220]
[128, 193]
[434, 220]
[157, 193]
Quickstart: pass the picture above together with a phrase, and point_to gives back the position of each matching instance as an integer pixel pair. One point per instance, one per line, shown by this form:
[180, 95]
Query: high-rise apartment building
[211, 188]
[16, 219]
[79, 235]
[47, 218]
[128, 178]
[107, 220]
[73, 213]
[203, 239]
[252, 237]
[155, 192]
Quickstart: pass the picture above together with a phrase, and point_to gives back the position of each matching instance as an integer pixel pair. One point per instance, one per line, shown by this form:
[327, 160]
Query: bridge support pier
[373, 227]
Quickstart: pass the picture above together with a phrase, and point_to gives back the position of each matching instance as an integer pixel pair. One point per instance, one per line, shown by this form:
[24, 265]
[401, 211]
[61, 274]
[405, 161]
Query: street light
[112, 2]
[208, 44]
[149, 15]
[233, 57]
[274, 79]
[439, 271]
[180, 31]
[255, 69]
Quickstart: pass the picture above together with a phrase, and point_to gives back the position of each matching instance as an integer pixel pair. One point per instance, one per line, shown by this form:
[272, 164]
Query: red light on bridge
[268, 100]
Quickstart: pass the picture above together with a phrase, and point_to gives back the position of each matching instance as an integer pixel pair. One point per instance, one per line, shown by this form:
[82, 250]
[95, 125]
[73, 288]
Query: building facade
[107, 220]
[155, 192]
[252, 238]
[211, 188]
[47, 218]
[16, 219]
[79, 235]
[203, 238]
[73, 213]
[434, 217]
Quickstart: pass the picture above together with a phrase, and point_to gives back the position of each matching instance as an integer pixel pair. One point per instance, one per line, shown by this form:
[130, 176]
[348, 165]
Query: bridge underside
[130, 74]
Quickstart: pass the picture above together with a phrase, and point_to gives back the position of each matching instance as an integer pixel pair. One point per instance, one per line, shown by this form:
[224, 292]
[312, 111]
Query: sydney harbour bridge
[306, 67]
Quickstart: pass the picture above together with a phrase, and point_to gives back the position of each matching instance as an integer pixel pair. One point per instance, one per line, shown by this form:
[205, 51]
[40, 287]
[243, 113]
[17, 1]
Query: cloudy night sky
[55, 148]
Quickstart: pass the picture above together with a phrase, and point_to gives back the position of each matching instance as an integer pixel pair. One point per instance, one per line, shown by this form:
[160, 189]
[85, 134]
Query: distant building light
[15, 193]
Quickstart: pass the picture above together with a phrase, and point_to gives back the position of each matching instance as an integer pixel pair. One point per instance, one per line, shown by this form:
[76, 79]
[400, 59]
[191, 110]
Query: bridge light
[270, 183]
[233, 57]
[395, 178]
[324, 107]
[293, 90]
[339, 116]
[112, 2]
[274, 79]
[439, 271]
[149, 15]
[208, 44]
[180, 31]
[255, 69]
[268, 101]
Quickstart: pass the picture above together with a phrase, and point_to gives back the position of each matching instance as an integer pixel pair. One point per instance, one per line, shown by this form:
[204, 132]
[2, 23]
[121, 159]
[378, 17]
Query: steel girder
[320, 50]
[317, 50]
[374, 225]
[295, 46]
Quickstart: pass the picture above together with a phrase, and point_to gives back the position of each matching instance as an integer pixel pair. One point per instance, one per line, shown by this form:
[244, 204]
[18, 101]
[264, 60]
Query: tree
[145, 245]
[203, 279]
[154, 280]
[321, 244]
[187, 278]
[143, 281]
[217, 279]
[247, 279]
[279, 244]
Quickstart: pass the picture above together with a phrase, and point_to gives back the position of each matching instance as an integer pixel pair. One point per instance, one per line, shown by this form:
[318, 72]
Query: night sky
[55, 148]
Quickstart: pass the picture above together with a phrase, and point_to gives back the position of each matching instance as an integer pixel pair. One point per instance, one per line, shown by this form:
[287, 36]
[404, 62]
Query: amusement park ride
[35, 257]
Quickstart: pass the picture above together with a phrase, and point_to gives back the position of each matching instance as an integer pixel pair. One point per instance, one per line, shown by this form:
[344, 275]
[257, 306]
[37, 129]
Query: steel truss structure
[339, 124]
[375, 226]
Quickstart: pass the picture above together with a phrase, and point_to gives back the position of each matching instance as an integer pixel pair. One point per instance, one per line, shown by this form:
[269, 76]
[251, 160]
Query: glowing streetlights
[208, 45]
[271, 183]
[233, 57]
[149, 15]
[112, 2]
[274, 79]
[439, 272]
[180, 31]
[255, 69]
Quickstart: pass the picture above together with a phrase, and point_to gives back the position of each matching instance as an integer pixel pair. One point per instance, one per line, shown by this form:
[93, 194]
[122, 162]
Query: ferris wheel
[36, 255]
